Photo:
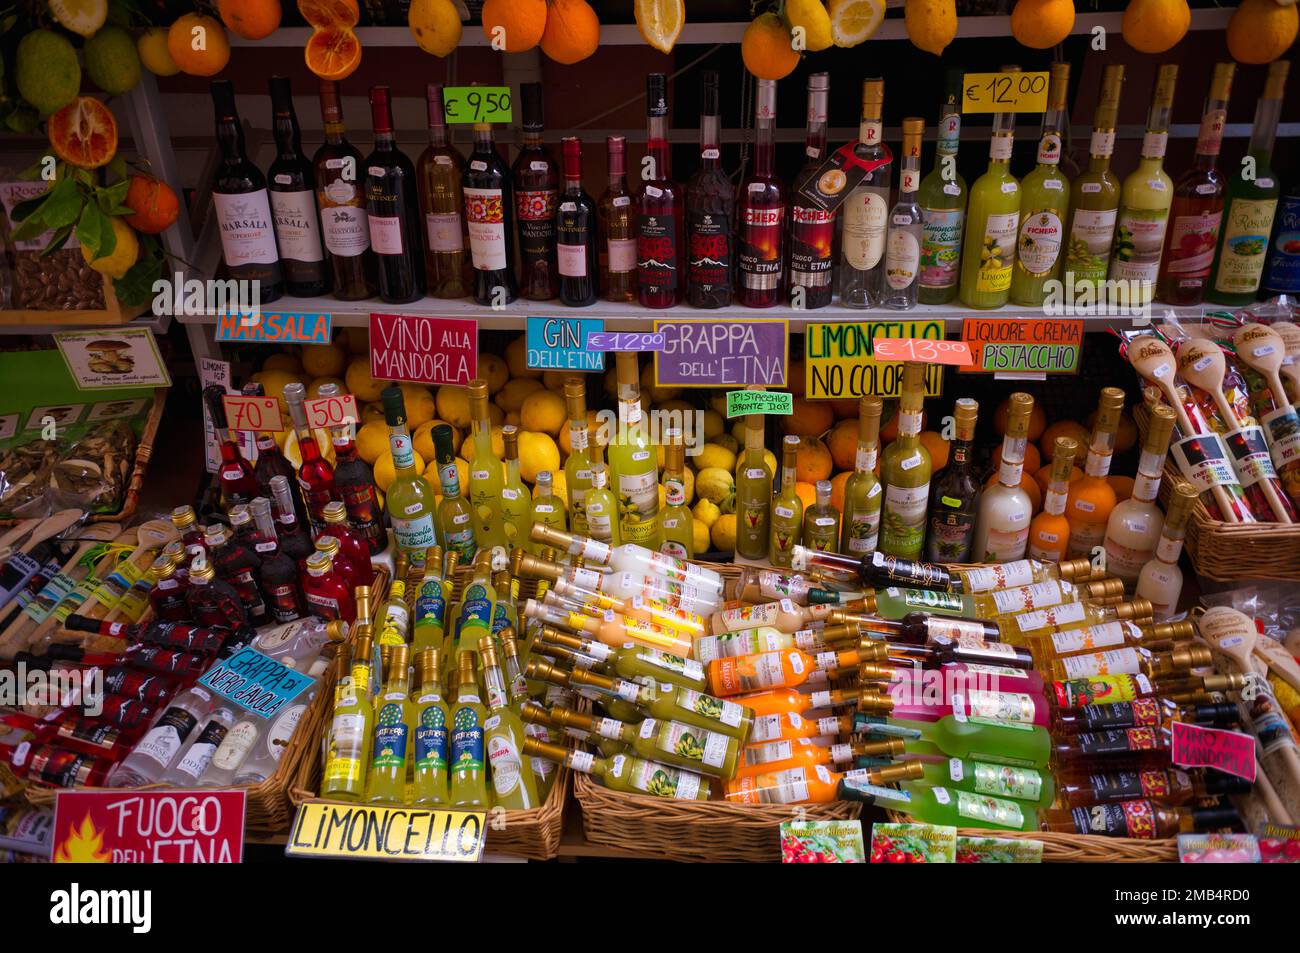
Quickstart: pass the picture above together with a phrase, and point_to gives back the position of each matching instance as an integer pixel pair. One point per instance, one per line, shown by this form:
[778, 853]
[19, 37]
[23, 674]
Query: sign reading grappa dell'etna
[560, 344]
[148, 827]
[741, 403]
[366, 832]
[746, 352]
[423, 350]
[255, 682]
[840, 358]
[274, 327]
[1023, 345]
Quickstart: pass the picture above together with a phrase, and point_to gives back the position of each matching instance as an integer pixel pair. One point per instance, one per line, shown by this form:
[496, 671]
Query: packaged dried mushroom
[93, 472]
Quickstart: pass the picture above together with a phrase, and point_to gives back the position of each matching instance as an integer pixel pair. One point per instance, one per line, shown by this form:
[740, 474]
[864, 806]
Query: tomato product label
[1073, 693]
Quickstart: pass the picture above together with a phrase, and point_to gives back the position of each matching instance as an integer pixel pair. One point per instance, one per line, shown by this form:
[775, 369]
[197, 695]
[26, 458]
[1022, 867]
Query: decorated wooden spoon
[1262, 348]
[1290, 335]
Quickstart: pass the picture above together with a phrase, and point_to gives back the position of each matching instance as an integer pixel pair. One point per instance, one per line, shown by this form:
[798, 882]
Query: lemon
[498, 445]
[324, 360]
[717, 486]
[360, 383]
[274, 382]
[715, 455]
[493, 370]
[385, 472]
[435, 24]
[728, 441]
[453, 405]
[543, 410]
[596, 434]
[854, 21]
[283, 362]
[323, 442]
[715, 425]
[706, 513]
[537, 452]
[699, 537]
[46, 70]
[152, 47]
[422, 437]
[658, 395]
[419, 404]
[660, 22]
[119, 261]
[517, 359]
[815, 21]
[313, 389]
[372, 441]
[511, 397]
[723, 533]
[111, 61]
[718, 403]
[373, 411]
[83, 17]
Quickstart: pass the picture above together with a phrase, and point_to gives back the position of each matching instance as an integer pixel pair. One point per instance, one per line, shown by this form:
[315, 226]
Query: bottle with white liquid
[1133, 528]
[1002, 527]
[1161, 579]
[159, 749]
[197, 755]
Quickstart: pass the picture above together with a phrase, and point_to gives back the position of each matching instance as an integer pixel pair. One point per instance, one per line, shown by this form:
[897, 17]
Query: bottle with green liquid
[787, 508]
[942, 198]
[485, 472]
[821, 521]
[905, 473]
[753, 494]
[1094, 202]
[467, 763]
[949, 807]
[992, 221]
[516, 501]
[1044, 203]
[347, 745]
[455, 514]
[409, 500]
[676, 520]
[860, 526]
[1020, 745]
[633, 462]
[514, 786]
[1036, 788]
[577, 468]
[394, 721]
[602, 508]
[430, 731]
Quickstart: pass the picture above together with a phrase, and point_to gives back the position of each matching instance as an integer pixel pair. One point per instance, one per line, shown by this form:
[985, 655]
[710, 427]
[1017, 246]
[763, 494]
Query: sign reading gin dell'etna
[423, 350]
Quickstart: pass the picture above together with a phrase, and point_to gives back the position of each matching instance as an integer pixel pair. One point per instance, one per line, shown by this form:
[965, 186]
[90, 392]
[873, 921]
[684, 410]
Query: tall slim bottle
[1094, 200]
[955, 494]
[577, 468]
[490, 218]
[394, 725]
[455, 514]
[514, 785]
[1002, 529]
[393, 207]
[410, 500]
[659, 201]
[866, 210]
[431, 723]
[903, 246]
[467, 762]
[942, 197]
[1044, 202]
[516, 500]
[342, 204]
[761, 212]
[440, 170]
[1049, 533]
[485, 480]
[992, 221]
[537, 193]
[618, 228]
[291, 182]
[633, 461]
[1092, 498]
[1161, 579]
[905, 473]
[315, 473]
[710, 212]
[1133, 527]
[676, 522]
[860, 522]
[753, 494]
[347, 742]
[787, 509]
[812, 229]
[575, 233]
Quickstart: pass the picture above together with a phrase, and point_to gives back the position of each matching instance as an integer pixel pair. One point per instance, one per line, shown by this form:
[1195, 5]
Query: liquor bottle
[676, 520]
[609, 627]
[1161, 579]
[632, 458]
[1092, 498]
[214, 602]
[235, 475]
[352, 545]
[237, 563]
[441, 170]
[666, 584]
[242, 205]
[197, 754]
[860, 527]
[645, 609]
[1049, 532]
[161, 746]
[766, 638]
[821, 521]
[1253, 193]
[962, 701]
[788, 668]
[633, 662]
[1144, 202]
[265, 741]
[659, 202]
[278, 574]
[344, 226]
[1282, 276]
[351, 729]
[940, 805]
[787, 509]
[866, 210]
[294, 541]
[315, 473]
[1026, 627]
[1044, 203]
[431, 720]
[514, 785]
[942, 197]
[903, 245]
[992, 741]
[1110, 635]
[761, 212]
[1094, 201]
[354, 482]
[394, 721]
[618, 225]
[430, 606]
[168, 593]
[1110, 688]
[814, 785]
[485, 479]
[467, 763]
[549, 509]
[782, 614]
[325, 590]
[1140, 713]
[1001, 781]
[576, 233]
[625, 773]
[410, 499]
[490, 218]
[992, 221]
[812, 229]
[955, 493]
[271, 461]
[1197, 208]
[1138, 820]
[778, 756]
[292, 186]
[393, 209]
[710, 211]
[537, 190]
[516, 501]
[186, 523]
[667, 742]
[1002, 529]
[1129, 661]
[880, 570]
[753, 494]
[577, 467]
[1169, 786]
[455, 514]
[602, 511]
[905, 473]
[1133, 528]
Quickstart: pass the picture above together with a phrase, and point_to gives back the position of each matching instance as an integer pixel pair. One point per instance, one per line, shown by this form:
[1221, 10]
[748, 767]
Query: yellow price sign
[366, 832]
[1004, 92]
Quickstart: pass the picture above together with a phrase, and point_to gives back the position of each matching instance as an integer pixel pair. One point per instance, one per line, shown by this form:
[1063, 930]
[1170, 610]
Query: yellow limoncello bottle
[485, 472]
[787, 508]
[577, 468]
[516, 501]
[394, 721]
[431, 721]
[633, 461]
[676, 520]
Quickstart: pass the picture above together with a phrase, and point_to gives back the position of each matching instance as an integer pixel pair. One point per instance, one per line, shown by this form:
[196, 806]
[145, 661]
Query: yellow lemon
[372, 441]
[294, 456]
[453, 405]
[125, 251]
[715, 455]
[493, 370]
[717, 486]
[498, 445]
[728, 441]
[283, 361]
[385, 472]
[274, 382]
[152, 47]
[660, 22]
[706, 512]
[542, 410]
[313, 389]
[537, 452]
[855, 21]
[715, 425]
[372, 411]
[517, 359]
[435, 24]
[658, 395]
[699, 538]
[769, 458]
[496, 415]
[422, 438]
[723, 533]
[419, 404]
[511, 397]
[810, 17]
[360, 383]
[324, 360]
[83, 17]
[596, 434]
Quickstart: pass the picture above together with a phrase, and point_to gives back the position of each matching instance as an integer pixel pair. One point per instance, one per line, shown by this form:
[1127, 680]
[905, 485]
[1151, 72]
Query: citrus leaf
[95, 231]
[117, 167]
[135, 288]
[59, 239]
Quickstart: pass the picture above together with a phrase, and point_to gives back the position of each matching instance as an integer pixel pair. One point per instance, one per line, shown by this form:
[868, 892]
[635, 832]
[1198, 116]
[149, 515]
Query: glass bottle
[485, 480]
[235, 474]
[291, 182]
[1092, 497]
[626, 773]
[1094, 201]
[167, 596]
[787, 508]
[903, 245]
[455, 513]
[618, 275]
[676, 520]
[294, 541]
[197, 754]
[549, 509]
[1005, 510]
[633, 461]
[213, 602]
[516, 501]
[602, 510]
[1161, 579]
[315, 473]
[1044, 203]
[659, 203]
[1138, 820]
[431, 723]
[1049, 531]
[1197, 208]
[942, 197]
[271, 462]
[237, 564]
[992, 221]
[905, 474]
[351, 729]
[429, 624]
[514, 785]
[821, 521]
[394, 618]
[352, 545]
[667, 742]
[955, 493]
[467, 764]
[441, 169]
[159, 749]
[1133, 527]
[186, 523]
[394, 725]
[354, 482]
[410, 499]
[344, 225]
[393, 209]
[577, 467]
[866, 210]
[860, 527]
[710, 211]
[753, 494]
[490, 218]
[576, 232]
[812, 229]
[242, 205]
[278, 575]
[324, 590]
[537, 190]
[761, 212]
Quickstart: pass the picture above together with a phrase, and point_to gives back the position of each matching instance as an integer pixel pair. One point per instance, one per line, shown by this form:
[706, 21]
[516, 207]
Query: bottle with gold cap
[797, 752]
[485, 471]
[431, 723]
[669, 742]
[630, 558]
[894, 602]
[633, 462]
[393, 617]
[1134, 525]
[627, 773]
[766, 638]
[1092, 497]
[1049, 532]
[903, 241]
[676, 521]
[1094, 200]
[348, 739]
[595, 602]
[753, 494]
[477, 605]
[1044, 202]
[817, 784]
[409, 499]
[455, 520]
[1024, 627]
[517, 689]
[786, 521]
[1120, 634]
[516, 500]
[609, 627]
[394, 724]
[467, 763]
[954, 494]
[600, 508]
[866, 210]
[1005, 510]
[992, 219]
[949, 807]
[1161, 579]
[548, 509]
[514, 786]
[577, 468]
[905, 469]
[860, 522]
[631, 661]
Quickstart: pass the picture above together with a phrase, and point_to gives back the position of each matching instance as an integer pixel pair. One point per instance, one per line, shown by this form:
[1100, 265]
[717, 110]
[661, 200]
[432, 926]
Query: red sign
[148, 827]
[331, 411]
[422, 350]
[253, 413]
[925, 350]
[1230, 751]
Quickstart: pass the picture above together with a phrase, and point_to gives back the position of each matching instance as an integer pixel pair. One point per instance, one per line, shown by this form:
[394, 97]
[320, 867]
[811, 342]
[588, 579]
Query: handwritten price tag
[741, 403]
[925, 350]
[1004, 92]
[331, 411]
[625, 341]
[253, 413]
[1229, 751]
[481, 104]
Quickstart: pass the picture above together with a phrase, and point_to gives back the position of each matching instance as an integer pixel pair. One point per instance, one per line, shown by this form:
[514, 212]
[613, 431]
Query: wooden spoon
[15, 535]
[1280, 662]
[1152, 358]
[1201, 364]
[1262, 348]
[1290, 335]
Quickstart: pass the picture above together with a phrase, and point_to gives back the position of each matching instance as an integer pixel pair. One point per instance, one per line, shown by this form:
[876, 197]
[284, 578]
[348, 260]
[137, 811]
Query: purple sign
[745, 352]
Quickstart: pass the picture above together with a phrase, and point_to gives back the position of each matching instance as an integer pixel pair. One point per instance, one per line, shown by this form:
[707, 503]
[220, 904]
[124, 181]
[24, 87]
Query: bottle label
[902, 258]
[431, 739]
[903, 521]
[780, 787]
[940, 246]
[1075, 693]
[656, 254]
[1055, 617]
[1134, 819]
[386, 234]
[165, 739]
[572, 260]
[999, 708]
[244, 221]
[1283, 274]
[710, 251]
[414, 533]
[621, 255]
[866, 212]
[296, 231]
[694, 744]
[750, 673]
[199, 756]
[812, 239]
[1246, 229]
[1094, 637]
[1027, 598]
[346, 229]
[486, 219]
[239, 741]
[1154, 144]
[864, 530]
[1139, 241]
[1209, 138]
[1114, 662]
[1088, 255]
[761, 250]
[1004, 780]
[1191, 247]
[444, 232]
[991, 810]
[536, 213]
[1005, 576]
[466, 740]
[639, 493]
[656, 779]
[1049, 149]
[1250, 455]
[997, 252]
[1040, 242]
[716, 709]
[506, 761]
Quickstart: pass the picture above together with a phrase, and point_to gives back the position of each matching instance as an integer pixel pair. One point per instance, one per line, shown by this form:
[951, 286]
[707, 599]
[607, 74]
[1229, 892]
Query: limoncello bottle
[394, 722]
[430, 606]
[409, 500]
[549, 509]
[787, 508]
[477, 607]
[485, 472]
[602, 507]
[516, 501]
[676, 520]
[467, 763]
[633, 462]
[860, 527]
[821, 521]
[626, 773]
[430, 731]
[514, 786]
[1044, 203]
[577, 468]
[455, 514]
[992, 221]
[347, 746]
[905, 472]
[1094, 201]
[753, 494]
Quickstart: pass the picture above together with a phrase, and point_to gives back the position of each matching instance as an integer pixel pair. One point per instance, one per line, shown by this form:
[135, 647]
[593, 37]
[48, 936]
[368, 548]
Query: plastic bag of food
[25, 469]
[93, 472]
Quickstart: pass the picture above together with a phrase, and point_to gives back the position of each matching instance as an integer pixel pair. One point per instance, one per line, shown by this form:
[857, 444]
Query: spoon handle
[1221, 497]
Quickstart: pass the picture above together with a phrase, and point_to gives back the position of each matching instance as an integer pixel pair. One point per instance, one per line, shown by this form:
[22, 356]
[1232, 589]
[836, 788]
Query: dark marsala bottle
[393, 207]
[537, 190]
[242, 205]
[342, 204]
[575, 226]
[659, 205]
[710, 212]
[292, 184]
[762, 212]
[812, 230]
[490, 216]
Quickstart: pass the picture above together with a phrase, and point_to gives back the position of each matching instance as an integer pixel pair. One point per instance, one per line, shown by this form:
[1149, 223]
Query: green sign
[477, 104]
[743, 402]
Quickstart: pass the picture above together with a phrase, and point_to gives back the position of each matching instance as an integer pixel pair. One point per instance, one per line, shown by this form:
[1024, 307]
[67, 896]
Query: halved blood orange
[84, 133]
[333, 53]
[330, 13]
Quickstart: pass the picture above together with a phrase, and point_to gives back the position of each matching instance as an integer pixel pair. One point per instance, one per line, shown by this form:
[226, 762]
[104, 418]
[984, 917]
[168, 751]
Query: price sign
[463, 104]
[357, 832]
[253, 413]
[625, 341]
[926, 350]
[1231, 752]
[1004, 92]
[331, 411]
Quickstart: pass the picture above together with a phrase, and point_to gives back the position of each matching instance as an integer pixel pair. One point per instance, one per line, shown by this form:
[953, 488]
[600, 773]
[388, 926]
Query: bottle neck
[657, 146]
[438, 136]
[495, 684]
[449, 478]
[764, 147]
[230, 139]
[483, 141]
[334, 133]
[1263, 133]
[949, 131]
[710, 152]
[1210, 138]
[288, 138]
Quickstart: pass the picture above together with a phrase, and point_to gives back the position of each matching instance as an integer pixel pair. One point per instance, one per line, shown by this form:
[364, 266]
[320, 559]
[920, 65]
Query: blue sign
[255, 682]
[274, 327]
[560, 344]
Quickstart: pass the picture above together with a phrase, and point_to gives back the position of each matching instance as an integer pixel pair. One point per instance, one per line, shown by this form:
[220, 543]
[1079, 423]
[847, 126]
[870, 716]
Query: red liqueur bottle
[762, 212]
[659, 209]
[710, 213]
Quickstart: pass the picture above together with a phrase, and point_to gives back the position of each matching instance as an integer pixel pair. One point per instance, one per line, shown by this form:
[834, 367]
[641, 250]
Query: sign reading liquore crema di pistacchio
[840, 361]
[1023, 345]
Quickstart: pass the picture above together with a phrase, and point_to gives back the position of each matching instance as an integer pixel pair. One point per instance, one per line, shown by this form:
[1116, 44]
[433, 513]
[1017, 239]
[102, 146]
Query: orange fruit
[518, 24]
[838, 483]
[889, 428]
[843, 444]
[1027, 483]
[813, 461]
[1037, 419]
[572, 31]
[807, 494]
[198, 45]
[1033, 459]
[1043, 476]
[938, 448]
[766, 48]
[84, 133]
[844, 407]
[330, 13]
[1262, 30]
[794, 378]
[250, 19]
[809, 417]
[1065, 428]
[1154, 26]
[1041, 24]
[333, 53]
[153, 203]
[1122, 485]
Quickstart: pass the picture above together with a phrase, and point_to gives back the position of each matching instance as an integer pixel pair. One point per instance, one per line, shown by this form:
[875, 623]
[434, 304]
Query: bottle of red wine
[292, 184]
[659, 202]
[762, 212]
[710, 212]
[490, 214]
[341, 201]
[393, 208]
[537, 189]
[575, 225]
[241, 203]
